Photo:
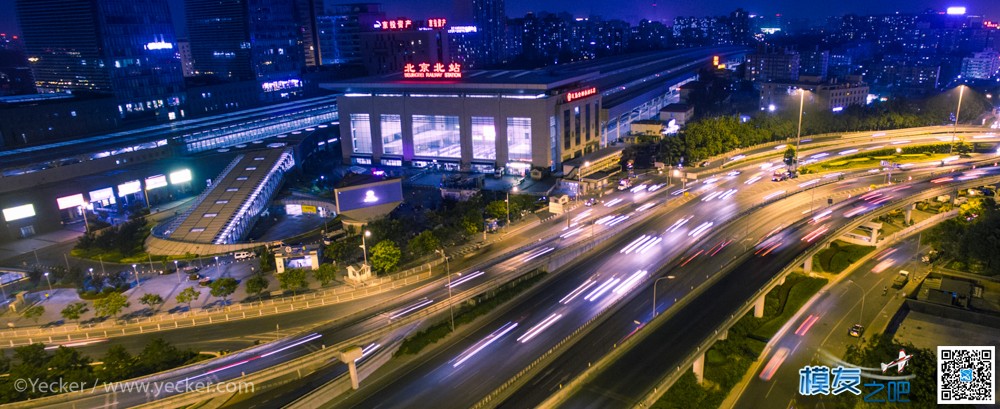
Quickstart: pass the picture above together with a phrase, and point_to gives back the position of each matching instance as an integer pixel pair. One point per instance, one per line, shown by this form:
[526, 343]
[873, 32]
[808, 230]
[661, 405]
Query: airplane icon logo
[899, 363]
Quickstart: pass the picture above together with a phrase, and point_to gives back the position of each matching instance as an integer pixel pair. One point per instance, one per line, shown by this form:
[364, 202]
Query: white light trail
[485, 342]
[774, 195]
[537, 329]
[600, 290]
[630, 282]
[463, 280]
[579, 290]
[411, 308]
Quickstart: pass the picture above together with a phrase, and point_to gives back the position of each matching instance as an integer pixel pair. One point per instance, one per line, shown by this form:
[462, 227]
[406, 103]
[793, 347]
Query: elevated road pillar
[758, 307]
[348, 356]
[908, 212]
[807, 267]
[699, 368]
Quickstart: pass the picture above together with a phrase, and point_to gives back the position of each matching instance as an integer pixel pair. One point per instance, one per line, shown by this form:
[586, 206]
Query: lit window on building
[361, 133]
[436, 136]
[484, 137]
[519, 139]
[392, 134]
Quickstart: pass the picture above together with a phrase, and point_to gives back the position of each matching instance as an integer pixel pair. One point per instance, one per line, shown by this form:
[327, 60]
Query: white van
[242, 255]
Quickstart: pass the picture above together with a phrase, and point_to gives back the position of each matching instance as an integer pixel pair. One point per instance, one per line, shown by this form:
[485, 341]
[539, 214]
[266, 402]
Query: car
[194, 276]
[856, 330]
[242, 255]
[734, 173]
[590, 202]
[204, 282]
[704, 164]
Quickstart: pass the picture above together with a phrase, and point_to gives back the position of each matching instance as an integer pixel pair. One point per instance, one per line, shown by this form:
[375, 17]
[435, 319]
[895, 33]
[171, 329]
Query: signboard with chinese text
[574, 95]
[397, 24]
[436, 22]
[427, 70]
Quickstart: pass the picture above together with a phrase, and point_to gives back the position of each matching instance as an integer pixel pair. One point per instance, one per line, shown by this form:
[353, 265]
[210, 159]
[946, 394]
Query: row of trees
[68, 365]
[115, 242]
[410, 234]
[713, 136]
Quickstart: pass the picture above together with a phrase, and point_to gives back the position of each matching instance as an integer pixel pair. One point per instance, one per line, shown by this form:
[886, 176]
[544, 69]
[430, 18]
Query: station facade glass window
[484, 136]
[392, 134]
[436, 136]
[361, 133]
[519, 139]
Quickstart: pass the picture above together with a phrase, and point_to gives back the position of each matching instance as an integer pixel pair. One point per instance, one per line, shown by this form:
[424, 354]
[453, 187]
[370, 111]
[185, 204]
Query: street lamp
[91, 272]
[217, 264]
[862, 315]
[451, 307]
[178, 271]
[136, 275]
[50, 284]
[654, 291]
[579, 180]
[514, 189]
[364, 246]
[958, 111]
[798, 134]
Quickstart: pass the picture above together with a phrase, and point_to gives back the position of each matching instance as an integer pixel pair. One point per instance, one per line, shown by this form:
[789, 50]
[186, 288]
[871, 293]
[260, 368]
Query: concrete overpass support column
[724, 335]
[781, 281]
[699, 368]
[909, 212]
[348, 356]
[807, 267]
[758, 307]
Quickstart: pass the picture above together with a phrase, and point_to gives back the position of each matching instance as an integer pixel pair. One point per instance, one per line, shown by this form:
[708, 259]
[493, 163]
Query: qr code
[966, 375]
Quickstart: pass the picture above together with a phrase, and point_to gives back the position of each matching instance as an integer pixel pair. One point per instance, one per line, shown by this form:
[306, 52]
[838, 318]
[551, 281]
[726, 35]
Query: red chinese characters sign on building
[397, 24]
[436, 22]
[573, 95]
[437, 70]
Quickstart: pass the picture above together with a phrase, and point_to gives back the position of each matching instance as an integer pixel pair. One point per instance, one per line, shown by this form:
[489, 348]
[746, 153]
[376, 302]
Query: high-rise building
[773, 66]
[984, 65]
[814, 63]
[388, 51]
[305, 18]
[245, 40]
[490, 17]
[187, 61]
[339, 28]
[123, 48]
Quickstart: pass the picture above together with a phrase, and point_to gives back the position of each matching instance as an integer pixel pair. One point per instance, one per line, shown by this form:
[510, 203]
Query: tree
[423, 243]
[497, 209]
[117, 364]
[111, 305]
[292, 279]
[223, 287]
[345, 250]
[74, 311]
[789, 155]
[325, 274]
[256, 284]
[187, 296]
[160, 355]
[69, 365]
[385, 256]
[33, 312]
[151, 300]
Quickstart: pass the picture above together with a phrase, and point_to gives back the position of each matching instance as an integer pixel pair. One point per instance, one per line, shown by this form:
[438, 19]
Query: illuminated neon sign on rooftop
[573, 95]
[438, 70]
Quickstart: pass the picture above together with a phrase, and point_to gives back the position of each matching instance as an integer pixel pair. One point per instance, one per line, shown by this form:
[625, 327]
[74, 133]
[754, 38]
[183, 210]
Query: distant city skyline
[664, 10]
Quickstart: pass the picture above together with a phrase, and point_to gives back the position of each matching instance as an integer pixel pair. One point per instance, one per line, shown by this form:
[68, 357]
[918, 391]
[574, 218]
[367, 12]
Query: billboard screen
[70, 201]
[18, 212]
[293, 209]
[369, 196]
[128, 188]
[101, 194]
[154, 182]
[180, 176]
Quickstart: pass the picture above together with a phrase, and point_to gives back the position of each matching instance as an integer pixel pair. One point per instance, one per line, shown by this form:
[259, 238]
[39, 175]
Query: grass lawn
[838, 256]
[798, 289]
[869, 162]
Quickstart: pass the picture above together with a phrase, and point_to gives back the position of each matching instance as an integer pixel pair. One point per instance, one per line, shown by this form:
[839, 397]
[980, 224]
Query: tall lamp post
[798, 134]
[178, 271]
[50, 284]
[958, 111]
[451, 307]
[507, 205]
[654, 291]
[364, 246]
[134, 270]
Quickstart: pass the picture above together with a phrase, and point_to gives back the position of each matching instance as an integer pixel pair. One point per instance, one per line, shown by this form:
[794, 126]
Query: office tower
[245, 39]
[339, 28]
[122, 48]
[490, 17]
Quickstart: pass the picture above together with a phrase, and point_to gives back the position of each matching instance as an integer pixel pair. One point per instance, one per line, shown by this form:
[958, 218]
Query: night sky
[635, 10]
